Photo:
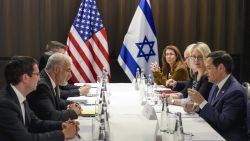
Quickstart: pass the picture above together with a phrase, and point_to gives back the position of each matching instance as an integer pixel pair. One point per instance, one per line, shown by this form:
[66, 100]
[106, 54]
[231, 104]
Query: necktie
[57, 89]
[215, 94]
[194, 85]
[27, 118]
[23, 111]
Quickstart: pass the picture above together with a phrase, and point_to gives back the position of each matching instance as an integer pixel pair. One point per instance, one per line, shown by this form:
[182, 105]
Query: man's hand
[70, 128]
[170, 83]
[84, 90]
[172, 99]
[196, 96]
[190, 107]
[75, 107]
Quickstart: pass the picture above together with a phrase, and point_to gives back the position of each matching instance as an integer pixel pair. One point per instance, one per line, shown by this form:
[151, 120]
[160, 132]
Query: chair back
[248, 117]
[247, 85]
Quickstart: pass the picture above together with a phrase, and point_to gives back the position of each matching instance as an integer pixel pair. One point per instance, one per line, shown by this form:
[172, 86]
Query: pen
[163, 104]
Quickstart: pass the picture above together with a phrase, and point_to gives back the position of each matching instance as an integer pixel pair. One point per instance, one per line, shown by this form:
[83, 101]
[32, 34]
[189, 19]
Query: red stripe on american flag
[73, 78]
[96, 59]
[82, 54]
[78, 67]
[100, 46]
[104, 34]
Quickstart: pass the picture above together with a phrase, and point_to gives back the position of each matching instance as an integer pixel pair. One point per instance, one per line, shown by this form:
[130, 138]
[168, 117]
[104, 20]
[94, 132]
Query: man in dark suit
[17, 121]
[45, 100]
[68, 90]
[225, 109]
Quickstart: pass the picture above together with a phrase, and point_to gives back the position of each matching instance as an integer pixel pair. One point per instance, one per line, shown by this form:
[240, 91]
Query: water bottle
[165, 119]
[104, 79]
[142, 74]
[143, 88]
[179, 133]
[150, 85]
[137, 79]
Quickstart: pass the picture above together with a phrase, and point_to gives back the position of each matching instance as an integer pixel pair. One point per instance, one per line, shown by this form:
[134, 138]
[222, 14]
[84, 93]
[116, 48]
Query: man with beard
[45, 101]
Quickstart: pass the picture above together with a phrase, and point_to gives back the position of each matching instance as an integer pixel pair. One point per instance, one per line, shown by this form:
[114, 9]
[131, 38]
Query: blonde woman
[199, 80]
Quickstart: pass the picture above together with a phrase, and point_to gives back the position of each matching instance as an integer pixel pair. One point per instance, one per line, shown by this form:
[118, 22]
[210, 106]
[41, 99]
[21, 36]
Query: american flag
[87, 44]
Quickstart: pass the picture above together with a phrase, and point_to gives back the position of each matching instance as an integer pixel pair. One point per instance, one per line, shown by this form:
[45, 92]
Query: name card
[149, 112]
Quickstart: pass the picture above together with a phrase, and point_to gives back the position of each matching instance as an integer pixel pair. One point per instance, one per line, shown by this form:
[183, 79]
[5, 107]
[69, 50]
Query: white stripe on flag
[141, 28]
[125, 68]
[77, 74]
[81, 62]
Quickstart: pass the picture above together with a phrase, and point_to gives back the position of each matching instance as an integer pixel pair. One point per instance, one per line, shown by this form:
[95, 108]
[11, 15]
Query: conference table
[127, 120]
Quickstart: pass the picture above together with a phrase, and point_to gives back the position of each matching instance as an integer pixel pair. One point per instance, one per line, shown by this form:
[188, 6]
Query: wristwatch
[172, 101]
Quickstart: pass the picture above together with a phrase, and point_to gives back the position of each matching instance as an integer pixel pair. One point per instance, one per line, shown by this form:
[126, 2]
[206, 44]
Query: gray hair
[57, 59]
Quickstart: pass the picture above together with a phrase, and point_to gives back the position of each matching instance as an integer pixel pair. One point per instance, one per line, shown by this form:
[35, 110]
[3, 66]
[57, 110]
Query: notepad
[84, 100]
[89, 111]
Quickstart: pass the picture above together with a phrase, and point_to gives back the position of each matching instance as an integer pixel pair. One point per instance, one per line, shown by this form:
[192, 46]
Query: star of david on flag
[141, 51]
[139, 48]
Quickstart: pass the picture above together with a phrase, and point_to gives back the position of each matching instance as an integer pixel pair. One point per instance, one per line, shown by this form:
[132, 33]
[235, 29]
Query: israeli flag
[139, 47]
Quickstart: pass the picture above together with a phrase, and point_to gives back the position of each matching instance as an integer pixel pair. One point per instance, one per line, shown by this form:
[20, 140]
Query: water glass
[95, 129]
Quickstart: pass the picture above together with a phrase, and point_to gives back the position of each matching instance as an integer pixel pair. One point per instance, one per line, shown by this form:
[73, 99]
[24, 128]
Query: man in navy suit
[225, 109]
[17, 121]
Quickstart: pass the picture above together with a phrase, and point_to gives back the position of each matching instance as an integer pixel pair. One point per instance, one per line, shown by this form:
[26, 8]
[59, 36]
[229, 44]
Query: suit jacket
[46, 105]
[69, 90]
[44, 59]
[227, 112]
[12, 127]
[179, 73]
[66, 91]
[180, 85]
[203, 86]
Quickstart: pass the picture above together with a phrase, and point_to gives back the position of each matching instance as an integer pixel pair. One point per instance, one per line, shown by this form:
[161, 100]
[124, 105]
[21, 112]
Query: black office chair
[247, 85]
[248, 118]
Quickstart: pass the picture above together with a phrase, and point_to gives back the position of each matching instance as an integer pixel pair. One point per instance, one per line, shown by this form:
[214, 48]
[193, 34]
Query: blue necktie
[214, 94]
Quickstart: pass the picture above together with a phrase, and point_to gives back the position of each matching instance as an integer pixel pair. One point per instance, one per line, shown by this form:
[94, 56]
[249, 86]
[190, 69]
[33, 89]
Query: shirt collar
[19, 95]
[51, 80]
[222, 82]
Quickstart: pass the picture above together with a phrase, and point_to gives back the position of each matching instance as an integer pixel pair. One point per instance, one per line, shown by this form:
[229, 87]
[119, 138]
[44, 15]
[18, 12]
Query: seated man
[225, 109]
[68, 90]
[45, 101]
[17, 121]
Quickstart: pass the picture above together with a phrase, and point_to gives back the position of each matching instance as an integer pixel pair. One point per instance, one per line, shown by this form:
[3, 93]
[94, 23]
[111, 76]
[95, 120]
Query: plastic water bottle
[137, 79]
[165, 119]
[179, 133]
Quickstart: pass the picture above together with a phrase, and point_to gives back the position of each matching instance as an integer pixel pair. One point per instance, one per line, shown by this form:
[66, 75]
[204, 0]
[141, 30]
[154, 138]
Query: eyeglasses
[185, 58]
[67, 70]
[198, 58]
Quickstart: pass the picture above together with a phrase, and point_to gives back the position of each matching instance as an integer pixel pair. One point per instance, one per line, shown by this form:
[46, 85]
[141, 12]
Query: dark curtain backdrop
[27, 25]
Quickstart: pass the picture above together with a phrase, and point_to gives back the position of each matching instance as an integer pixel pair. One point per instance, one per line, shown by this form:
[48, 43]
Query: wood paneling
[27, 25]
